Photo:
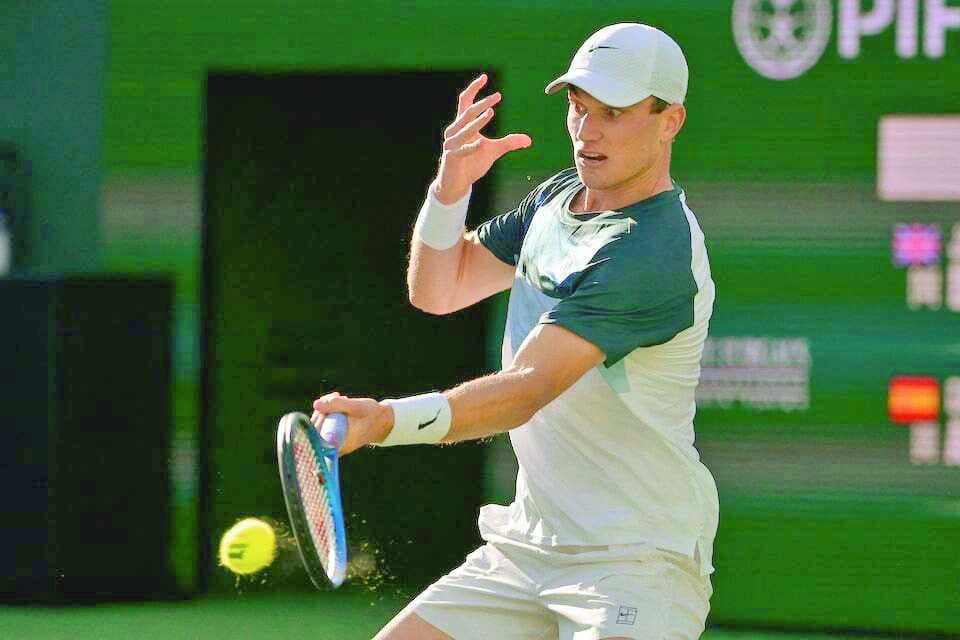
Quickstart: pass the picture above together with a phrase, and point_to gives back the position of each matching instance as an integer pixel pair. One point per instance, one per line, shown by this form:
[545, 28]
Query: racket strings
[316, 501]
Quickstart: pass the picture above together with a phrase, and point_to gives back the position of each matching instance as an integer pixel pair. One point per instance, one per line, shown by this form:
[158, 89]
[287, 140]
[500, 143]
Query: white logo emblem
[781, 39]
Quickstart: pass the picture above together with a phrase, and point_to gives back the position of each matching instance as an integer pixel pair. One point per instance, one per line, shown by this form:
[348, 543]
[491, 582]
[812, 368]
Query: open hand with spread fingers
[467, 153]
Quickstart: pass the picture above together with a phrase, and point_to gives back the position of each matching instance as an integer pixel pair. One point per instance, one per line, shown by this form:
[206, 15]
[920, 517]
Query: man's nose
[587, 129]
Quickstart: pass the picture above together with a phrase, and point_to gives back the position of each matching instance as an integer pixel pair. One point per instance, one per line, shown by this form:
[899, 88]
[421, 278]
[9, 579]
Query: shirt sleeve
[624, 300]
[504, 235]
[501, 235]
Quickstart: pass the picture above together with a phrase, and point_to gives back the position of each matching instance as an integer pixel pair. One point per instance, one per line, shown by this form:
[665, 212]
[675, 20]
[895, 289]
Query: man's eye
[613, 113]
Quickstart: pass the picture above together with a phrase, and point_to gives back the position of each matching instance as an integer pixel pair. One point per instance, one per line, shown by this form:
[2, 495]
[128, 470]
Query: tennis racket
[311, 488]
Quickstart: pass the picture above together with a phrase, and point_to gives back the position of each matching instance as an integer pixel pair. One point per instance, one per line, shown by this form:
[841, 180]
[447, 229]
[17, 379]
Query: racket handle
[333, 429]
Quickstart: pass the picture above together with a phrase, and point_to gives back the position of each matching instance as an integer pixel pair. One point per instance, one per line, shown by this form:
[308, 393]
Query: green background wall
[739, 124]
[824, 522]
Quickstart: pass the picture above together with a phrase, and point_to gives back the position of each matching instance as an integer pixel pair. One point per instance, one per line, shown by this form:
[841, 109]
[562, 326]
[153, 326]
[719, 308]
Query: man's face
[613, 147]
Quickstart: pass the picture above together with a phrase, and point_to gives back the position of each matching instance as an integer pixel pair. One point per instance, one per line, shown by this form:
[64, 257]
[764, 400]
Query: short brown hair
[658, 105]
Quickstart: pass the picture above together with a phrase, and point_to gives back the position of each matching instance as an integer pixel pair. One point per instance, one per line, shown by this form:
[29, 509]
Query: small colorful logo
[913, 402]
[916, 245]
[913, 399]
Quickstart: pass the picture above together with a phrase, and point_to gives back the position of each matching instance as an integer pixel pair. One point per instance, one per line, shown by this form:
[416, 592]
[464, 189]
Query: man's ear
[673, 118]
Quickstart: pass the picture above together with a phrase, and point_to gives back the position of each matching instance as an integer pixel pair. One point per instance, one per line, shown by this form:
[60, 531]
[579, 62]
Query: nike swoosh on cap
[600, 46]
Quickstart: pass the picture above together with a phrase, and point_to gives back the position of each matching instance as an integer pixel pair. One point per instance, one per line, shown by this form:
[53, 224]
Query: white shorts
[508, 590]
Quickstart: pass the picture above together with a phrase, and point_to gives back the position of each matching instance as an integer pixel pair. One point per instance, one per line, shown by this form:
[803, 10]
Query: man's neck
[591, 200]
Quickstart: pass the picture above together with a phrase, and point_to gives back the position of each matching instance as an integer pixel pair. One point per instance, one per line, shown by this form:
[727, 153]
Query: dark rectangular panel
[27, 365]
[312, 186]
[86, 405]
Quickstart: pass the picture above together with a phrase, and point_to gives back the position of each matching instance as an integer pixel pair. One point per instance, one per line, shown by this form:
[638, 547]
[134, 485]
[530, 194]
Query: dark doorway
[312, 184]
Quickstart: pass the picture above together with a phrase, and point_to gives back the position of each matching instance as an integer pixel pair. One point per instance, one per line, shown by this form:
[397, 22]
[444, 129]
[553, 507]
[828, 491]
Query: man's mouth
[590, 158]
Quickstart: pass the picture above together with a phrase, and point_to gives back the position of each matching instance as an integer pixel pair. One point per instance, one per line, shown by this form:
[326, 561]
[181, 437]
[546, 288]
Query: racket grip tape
[333, 429]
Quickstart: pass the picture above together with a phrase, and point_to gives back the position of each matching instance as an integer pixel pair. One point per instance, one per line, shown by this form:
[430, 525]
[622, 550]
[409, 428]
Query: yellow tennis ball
[248, 546]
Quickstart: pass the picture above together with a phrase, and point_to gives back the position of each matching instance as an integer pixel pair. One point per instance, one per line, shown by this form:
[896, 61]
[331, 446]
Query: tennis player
[612, 528]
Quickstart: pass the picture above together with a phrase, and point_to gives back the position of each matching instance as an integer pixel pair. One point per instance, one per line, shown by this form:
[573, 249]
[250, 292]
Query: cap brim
[602, 88]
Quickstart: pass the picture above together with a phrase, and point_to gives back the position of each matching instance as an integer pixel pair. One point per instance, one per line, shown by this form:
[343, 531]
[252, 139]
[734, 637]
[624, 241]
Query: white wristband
[440, 226]
[422, 419]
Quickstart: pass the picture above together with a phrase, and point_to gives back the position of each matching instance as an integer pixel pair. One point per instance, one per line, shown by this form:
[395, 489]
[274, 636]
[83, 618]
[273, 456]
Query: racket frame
[327, 460]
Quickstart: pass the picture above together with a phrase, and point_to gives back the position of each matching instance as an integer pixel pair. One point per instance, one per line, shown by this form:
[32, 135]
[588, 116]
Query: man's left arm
[548, 362]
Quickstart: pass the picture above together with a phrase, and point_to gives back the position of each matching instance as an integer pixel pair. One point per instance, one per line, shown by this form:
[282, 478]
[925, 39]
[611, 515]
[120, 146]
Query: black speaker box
[85, 403]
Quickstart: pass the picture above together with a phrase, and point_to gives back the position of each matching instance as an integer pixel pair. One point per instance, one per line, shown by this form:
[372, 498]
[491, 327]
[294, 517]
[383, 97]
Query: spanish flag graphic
[913, 399]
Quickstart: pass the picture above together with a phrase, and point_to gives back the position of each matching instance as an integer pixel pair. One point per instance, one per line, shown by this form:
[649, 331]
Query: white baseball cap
[622, 64]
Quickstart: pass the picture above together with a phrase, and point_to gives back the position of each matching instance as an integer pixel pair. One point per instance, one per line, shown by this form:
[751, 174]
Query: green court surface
[286, 616]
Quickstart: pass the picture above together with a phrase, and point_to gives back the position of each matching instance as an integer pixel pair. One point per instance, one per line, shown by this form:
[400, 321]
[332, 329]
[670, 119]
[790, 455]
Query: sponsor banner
[784, 39]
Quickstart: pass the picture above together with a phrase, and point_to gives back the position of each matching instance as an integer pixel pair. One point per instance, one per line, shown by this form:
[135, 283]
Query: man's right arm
[442, 278]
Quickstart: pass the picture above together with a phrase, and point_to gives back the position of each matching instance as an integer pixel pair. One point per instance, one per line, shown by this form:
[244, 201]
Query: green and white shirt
[611, 461]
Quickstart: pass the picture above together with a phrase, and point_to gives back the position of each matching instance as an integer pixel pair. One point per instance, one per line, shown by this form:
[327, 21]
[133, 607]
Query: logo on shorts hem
[627, 615]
